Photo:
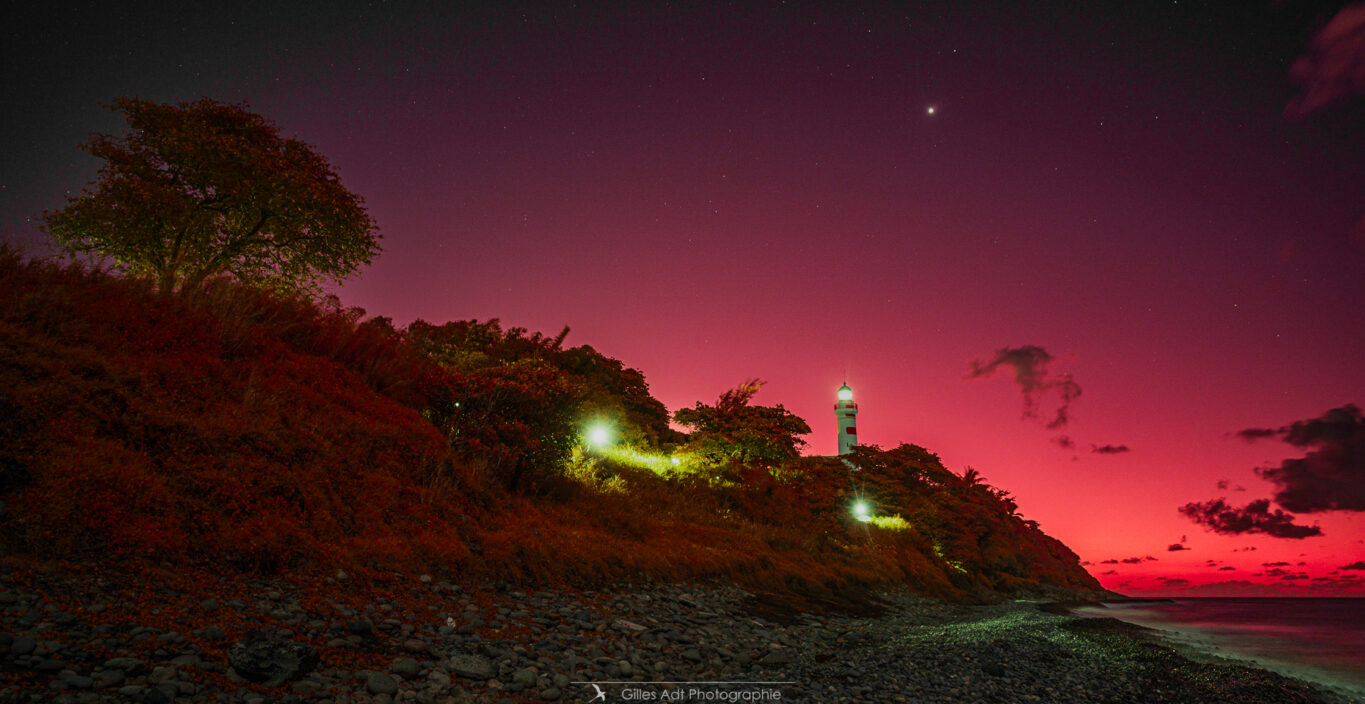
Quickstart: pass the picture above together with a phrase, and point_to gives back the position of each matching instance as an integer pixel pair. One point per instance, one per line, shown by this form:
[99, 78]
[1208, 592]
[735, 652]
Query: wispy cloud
[1333, 70]
[1030, 366]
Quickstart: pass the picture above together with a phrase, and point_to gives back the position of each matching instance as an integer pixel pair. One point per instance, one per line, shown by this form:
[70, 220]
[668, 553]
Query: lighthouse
[846, 412]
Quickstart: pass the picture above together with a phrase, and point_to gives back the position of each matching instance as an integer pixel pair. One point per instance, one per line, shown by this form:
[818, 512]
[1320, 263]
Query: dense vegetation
[223, 422]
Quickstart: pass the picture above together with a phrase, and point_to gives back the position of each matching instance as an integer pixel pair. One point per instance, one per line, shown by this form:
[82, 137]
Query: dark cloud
[1229, 567]
[1134, 560]
[1337, 582]
[1337, 426]
[1333, 70]
[1250, 549]
[1065, 441]
[1102, 574]
[1109, 449]
[1255, 517]
[1174, 582]
[1354, 566]
[1254, 434]
[1109, 562]
[1274, 564]
[1331, 476]
[1176, 547]
[1223, 486]
[1030, 365]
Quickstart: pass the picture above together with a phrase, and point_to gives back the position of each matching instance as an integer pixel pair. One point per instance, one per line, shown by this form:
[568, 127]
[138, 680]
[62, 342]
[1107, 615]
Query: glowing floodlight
[599, 436]
[845, 393]
[862, 511]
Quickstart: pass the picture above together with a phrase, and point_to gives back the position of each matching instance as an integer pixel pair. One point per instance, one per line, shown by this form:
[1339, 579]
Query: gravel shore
[442, 643]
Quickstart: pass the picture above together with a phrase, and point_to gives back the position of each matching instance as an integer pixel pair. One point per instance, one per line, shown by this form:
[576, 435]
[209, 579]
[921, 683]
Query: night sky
[969, 213]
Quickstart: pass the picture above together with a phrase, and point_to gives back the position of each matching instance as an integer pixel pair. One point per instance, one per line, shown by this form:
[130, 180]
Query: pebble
[524, 679]
[407, 668]
[381, 683]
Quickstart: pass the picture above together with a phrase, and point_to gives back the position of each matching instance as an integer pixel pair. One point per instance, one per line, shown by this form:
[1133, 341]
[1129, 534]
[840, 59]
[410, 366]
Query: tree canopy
[202, 188]
[735, 430]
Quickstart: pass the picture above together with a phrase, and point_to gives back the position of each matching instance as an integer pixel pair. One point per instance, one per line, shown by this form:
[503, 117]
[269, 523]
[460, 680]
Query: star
[930, 110]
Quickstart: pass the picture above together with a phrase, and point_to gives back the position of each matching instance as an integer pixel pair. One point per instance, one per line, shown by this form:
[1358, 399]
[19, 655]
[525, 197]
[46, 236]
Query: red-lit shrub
[221, 425]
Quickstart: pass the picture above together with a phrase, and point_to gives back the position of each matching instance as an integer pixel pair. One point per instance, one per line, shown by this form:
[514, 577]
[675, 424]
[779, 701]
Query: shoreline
[1208, 645]
[434, 642]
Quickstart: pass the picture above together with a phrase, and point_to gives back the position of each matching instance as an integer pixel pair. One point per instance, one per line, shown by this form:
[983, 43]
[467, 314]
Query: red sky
[719, 193]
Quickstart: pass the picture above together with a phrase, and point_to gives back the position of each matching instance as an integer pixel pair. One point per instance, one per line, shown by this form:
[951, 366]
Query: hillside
[277, 435]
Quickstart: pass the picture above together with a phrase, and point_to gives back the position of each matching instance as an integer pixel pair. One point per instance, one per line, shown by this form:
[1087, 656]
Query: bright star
[930, 110]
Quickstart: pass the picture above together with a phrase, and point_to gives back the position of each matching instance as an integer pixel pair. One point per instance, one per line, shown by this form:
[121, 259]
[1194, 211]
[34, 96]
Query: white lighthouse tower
[846, 412]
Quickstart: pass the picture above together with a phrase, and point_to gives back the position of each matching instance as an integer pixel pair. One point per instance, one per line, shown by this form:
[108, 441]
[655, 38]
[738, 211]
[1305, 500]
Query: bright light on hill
[599, 436]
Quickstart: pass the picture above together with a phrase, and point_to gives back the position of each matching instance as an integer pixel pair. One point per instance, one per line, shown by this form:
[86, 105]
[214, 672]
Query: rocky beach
[430, 641]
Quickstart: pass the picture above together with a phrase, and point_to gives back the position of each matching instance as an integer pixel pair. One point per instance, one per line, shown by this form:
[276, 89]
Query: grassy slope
[274, 434]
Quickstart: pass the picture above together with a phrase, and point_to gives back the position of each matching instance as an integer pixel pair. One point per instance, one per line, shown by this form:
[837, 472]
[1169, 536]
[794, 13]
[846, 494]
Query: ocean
[1318, 640]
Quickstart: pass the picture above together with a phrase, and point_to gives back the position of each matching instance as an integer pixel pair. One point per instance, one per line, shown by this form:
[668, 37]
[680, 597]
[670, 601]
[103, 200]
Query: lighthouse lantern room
[846, 412]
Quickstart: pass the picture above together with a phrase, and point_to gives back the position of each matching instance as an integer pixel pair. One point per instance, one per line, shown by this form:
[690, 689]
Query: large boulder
[471, 667]
[270, 659]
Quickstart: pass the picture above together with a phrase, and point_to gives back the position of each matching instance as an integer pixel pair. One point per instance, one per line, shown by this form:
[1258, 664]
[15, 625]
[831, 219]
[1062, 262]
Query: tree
[734, 430]
[203, 188]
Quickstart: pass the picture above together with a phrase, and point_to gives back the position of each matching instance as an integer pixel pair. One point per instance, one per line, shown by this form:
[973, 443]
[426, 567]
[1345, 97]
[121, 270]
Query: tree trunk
[166, 282]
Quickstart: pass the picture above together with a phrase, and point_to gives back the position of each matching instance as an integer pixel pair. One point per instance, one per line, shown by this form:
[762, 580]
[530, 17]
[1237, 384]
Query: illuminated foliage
[515, 400]
[608, 389]
[890, 522]
[660, 465]
[203, 188]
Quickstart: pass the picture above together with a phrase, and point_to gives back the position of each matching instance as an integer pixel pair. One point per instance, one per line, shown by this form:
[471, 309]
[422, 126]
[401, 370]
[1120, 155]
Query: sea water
[1321, 640]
